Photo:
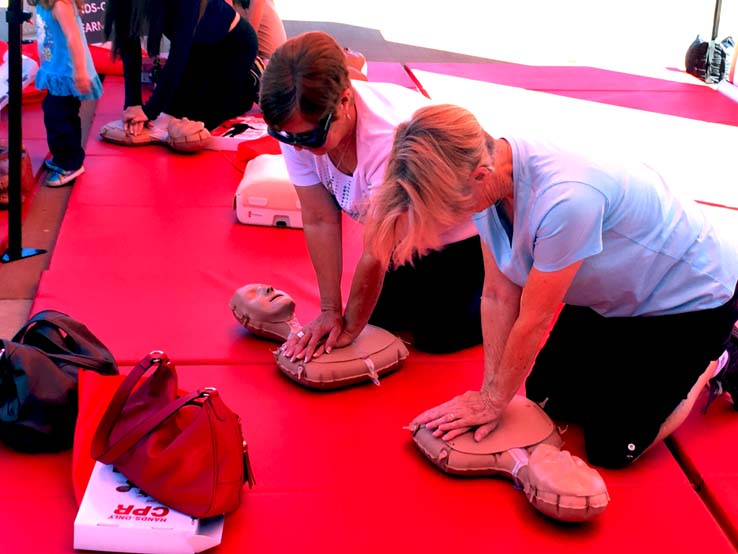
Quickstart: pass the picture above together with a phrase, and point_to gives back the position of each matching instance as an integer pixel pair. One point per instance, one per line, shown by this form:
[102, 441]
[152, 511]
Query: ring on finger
[300, 334]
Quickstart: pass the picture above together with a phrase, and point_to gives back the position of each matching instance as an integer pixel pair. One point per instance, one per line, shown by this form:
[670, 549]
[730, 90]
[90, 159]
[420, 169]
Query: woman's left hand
[458, 415]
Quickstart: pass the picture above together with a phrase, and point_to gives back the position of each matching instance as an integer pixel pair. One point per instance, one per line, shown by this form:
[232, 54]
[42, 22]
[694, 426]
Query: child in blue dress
[69, 76]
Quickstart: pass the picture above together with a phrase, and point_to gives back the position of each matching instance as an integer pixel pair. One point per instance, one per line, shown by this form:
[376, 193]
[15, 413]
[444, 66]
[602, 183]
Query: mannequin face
[267, 304]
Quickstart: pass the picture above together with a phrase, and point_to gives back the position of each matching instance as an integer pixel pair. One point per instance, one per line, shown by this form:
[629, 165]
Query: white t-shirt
[380, 107]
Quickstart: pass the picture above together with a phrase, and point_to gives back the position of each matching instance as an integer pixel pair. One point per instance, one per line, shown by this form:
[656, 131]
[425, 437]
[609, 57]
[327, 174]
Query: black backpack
[38, 380]
[709, 60]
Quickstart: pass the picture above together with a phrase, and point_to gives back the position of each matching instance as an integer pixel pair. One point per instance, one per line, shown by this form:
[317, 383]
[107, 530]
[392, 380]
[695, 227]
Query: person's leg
[217, 83]
[447, 287]
[63, 131]
[677, 417]
[393, 305]
[558, 379]
[628, 381]
[643, 395]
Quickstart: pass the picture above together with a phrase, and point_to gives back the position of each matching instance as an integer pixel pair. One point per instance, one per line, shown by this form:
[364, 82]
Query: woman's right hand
[473, 409]
[309, 342]
[134, 120]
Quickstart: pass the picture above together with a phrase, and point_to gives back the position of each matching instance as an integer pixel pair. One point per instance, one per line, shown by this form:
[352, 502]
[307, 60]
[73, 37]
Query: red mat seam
[711, 502]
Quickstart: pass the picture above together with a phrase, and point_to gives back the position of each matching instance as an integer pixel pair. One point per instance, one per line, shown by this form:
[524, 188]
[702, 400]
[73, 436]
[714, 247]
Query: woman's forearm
[130, 53]
[365, 289]
[324, 245]
[499, 315]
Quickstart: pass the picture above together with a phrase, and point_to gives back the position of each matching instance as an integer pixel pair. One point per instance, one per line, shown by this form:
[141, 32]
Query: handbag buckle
[156, 357]
[207, 391]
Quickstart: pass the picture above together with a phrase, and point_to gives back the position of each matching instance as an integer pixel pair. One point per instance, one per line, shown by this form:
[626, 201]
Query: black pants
[64, 131]
[437, 299]
[622, 377]
[217, 83]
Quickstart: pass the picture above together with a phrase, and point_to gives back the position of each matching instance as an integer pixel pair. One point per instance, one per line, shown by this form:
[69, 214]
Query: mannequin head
[266, 304]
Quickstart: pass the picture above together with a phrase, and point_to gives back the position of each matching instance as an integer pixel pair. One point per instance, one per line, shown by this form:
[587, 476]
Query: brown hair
[306, 74]
[426, 186]
[48, 4]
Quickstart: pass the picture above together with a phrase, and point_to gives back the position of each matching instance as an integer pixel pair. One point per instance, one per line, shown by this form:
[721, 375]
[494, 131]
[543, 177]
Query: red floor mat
[148, 256]
[668, 92]
[705, 444]
[337, 473]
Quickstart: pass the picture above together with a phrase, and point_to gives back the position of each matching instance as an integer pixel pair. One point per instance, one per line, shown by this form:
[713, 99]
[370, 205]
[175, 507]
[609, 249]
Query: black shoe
[727, 379]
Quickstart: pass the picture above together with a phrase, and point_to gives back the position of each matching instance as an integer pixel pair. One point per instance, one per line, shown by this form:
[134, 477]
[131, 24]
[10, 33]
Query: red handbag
[185, 451]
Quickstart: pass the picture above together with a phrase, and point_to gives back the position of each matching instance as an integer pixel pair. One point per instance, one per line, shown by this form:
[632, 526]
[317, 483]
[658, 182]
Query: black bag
[710, 60]
[38, 380]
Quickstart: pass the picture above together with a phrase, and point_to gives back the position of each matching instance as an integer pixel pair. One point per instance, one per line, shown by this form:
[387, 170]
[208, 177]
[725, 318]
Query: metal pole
[15, 16]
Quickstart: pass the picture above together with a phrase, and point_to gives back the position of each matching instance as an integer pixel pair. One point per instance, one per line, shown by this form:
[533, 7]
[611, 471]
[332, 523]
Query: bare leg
[681, 412]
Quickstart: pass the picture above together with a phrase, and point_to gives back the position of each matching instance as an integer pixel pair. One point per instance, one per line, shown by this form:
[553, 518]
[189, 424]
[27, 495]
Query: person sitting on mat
[68, 74]
[336, 136]
[208, 74]
[637, 288]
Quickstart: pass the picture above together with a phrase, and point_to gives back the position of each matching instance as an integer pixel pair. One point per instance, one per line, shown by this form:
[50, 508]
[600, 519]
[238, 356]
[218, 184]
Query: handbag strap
[127, 441]
[74, 329]
[114, 409]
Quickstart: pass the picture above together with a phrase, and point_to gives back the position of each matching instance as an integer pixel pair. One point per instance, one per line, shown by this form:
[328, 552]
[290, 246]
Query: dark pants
[622, 377]
[217, 83]
[64, 131]
[437, 299]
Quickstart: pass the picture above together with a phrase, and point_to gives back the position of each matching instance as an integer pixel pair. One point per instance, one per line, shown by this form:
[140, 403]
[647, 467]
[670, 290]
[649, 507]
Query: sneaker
[57, 177]
[727, 379]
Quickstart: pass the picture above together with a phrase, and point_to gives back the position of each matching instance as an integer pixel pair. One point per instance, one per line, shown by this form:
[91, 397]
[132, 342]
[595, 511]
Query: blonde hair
[426, 187]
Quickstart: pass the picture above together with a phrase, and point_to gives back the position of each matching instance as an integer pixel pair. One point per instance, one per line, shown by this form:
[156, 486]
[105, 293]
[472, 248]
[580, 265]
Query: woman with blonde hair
[336, 135]
[647, 285]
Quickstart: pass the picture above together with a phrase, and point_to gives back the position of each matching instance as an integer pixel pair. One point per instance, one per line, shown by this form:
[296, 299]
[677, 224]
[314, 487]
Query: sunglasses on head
[309, 139]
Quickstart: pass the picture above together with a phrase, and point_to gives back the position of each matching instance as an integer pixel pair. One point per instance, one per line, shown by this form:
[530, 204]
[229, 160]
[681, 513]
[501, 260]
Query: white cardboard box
[115, 516]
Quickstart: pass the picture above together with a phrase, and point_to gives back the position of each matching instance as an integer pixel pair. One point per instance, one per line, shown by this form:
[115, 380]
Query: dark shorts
[621, 378]
[437, 300]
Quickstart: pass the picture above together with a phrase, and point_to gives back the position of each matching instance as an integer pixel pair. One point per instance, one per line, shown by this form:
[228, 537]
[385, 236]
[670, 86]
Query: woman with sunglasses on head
[336, 135]
[647, 284]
